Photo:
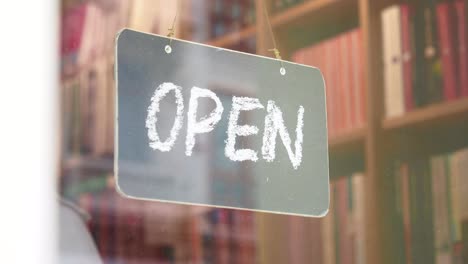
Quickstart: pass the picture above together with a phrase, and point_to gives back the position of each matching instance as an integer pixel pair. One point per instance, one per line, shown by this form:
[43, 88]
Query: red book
[338, 86]
[316, 57]
[358, 77]
[344, 243]
[362, 80]
[320, 56]
[407, 57]
[345, 95]
[352, 87]
[328, 74]
[446, 35]
[462, 46]
[72, 28]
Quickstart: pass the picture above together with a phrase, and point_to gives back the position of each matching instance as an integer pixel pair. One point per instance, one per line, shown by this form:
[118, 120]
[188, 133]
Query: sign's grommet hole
[283, 71]
[168, 49]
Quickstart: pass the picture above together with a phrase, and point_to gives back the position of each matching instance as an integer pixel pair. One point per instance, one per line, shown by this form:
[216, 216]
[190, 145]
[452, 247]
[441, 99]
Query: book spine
[335, 80]
[394, 102]
[110, 110]
[427, 239]
[454, 185]
[351, 85]
[406, 209]
[359, 198]
[75, 139]
[330, 86]
[338, 85]
[350, 223]
[359, 77]
[344, 246]
[420, 192]
[346, 89]
[463, 183]
[446, 40]
[407, 57]
[440, 212]
[460, 7]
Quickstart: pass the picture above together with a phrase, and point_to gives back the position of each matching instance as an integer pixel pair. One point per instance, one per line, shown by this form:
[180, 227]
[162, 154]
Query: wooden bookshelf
[311, 9]
[347, 140]
[455, 111]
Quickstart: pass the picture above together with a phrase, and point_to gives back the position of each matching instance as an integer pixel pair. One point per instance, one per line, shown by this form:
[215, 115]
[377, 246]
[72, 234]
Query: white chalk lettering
[274, 123]
[151, 119]
[234, 130]
[206, 124]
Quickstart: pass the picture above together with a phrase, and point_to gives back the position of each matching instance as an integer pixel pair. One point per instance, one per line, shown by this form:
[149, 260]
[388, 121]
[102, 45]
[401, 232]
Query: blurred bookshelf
[349, 139]
[430, 116]
[366, 156]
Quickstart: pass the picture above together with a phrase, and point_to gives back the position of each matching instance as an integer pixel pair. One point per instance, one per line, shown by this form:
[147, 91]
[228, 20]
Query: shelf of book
[429, 115]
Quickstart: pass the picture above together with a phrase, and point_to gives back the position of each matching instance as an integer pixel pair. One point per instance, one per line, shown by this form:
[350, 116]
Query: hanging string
[275, 50]
[272, 35]
[171, 30]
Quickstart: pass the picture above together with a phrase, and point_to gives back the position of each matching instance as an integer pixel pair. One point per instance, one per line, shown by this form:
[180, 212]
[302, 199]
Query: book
[392, 59]
[358, 56]
[340, 59]
[427, 57]
[405, 209]
[445, 15]
[343, 229]
[345, 84]
[359, 222]
[71, 119]
[461, 13]
[407, 56]
[430, 194]
[441, 228]
[420, 213]
[428, 77]
[72, 26]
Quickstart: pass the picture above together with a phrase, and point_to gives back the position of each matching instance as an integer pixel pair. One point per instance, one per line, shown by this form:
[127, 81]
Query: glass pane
[397, 115]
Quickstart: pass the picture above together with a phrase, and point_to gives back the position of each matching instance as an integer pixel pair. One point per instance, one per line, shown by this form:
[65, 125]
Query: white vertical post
[29, 131]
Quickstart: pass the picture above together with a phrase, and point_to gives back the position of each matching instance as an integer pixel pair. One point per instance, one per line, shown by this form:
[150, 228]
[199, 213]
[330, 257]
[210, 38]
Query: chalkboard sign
[209, 126]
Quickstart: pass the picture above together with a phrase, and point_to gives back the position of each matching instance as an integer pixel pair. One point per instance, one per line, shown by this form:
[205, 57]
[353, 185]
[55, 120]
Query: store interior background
[397, 106]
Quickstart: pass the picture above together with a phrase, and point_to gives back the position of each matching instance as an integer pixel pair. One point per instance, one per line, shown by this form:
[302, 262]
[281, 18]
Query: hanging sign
[203, 125]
